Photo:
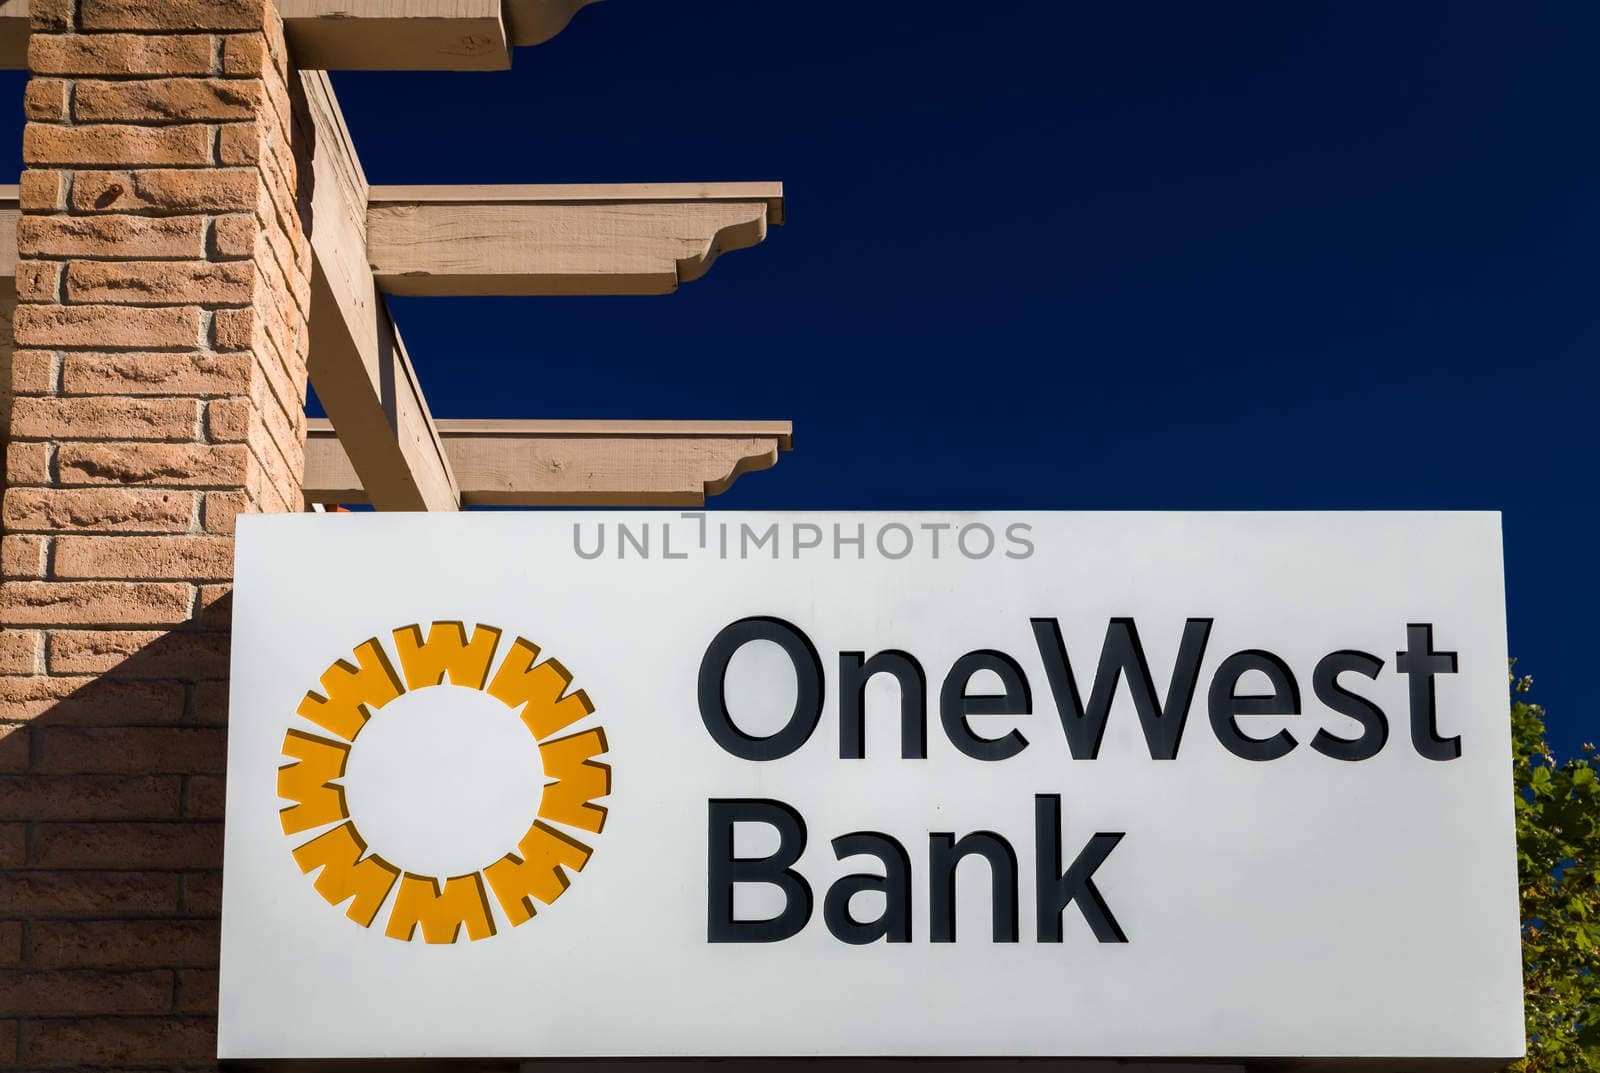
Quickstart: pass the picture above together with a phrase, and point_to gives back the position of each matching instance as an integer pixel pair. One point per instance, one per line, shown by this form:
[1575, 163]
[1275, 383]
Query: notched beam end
[574, 463]
[533, 22]
[728, 238]
[562, 240]
[752, 463]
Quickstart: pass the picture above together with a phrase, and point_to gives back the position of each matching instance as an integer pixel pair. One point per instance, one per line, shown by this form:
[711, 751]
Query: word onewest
[1082, 715]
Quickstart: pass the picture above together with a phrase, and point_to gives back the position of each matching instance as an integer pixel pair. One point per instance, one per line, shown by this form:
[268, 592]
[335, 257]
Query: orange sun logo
[532, 871]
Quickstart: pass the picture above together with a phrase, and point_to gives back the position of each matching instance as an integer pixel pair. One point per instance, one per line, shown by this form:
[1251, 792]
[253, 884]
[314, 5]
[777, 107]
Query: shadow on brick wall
[111, 806]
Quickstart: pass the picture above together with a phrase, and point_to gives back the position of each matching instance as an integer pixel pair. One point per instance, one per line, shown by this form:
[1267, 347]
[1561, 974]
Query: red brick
[202, 893]
[133, 1041]
[51, 16]
[166, 464]
[23, 556]
[45, 99]
[120, 54]
[184, 15]
[13, 845]
[27, 463]
[135, 654]
[205, 797]
[132, 750]
[229, 420]
[10, 1039]
[98, 509]
[94, 603]
[161, 282]
[124, 943]
[89, 797]
[189, 558]
[39, 281]
[54, 992]
[112, 145]
[42, 191]
[95, 327]
[235, 236]
[127, 845]
[111, 236]
[10, 943]
[62, 894]
[244, 55]
[33, 372]
[221, 509]
[197, 990]
[166, 100]
[91, 701]
[20, 651]
[16, 743]
[211, 703]
[156, 374]
[105, 417]
[167, 190]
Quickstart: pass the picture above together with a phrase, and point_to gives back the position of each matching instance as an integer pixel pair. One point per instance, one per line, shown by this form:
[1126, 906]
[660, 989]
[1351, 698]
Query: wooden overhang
[380, 35]
[572, 463]
[645, 238]
[474, 240]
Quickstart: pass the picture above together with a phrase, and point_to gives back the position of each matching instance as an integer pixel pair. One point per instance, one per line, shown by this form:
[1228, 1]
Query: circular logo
[564, 776]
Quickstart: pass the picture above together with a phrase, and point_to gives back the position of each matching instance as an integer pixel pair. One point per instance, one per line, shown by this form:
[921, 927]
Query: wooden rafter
[9, 216]
[520, 240]
[644, 238]
[380, 35]
[358, 363]
[372, 35]
[573, 463]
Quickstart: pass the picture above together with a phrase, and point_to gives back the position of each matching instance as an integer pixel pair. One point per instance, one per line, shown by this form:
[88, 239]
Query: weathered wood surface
[358, 363]
[9, 215]
[561, 240]
[14, 30]
[574, 463]
[389, 35]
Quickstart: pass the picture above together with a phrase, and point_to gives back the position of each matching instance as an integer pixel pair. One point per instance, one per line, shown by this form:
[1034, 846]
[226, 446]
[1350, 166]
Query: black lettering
[1226, 705]
[1122, 656]
[808, 688]
[1420, 663]
[955, 704]
[894, 923]
[1056, 889]
[944, 854]
[1374, 724]
[724, 870]
[853, 677]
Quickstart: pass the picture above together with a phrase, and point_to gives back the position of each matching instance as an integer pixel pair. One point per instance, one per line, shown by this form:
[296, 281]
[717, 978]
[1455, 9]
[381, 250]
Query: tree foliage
[1558, 855]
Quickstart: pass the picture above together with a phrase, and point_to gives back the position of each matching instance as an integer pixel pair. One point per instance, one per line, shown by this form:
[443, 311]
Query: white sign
[1050, 784]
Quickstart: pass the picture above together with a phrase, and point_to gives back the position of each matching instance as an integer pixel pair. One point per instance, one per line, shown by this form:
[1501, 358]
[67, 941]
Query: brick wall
[157, 390]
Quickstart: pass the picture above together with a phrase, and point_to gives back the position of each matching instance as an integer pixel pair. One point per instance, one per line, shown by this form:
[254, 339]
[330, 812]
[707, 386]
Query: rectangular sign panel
[1050, 784]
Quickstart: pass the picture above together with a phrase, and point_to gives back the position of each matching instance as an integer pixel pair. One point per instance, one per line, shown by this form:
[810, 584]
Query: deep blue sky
[1064, 255]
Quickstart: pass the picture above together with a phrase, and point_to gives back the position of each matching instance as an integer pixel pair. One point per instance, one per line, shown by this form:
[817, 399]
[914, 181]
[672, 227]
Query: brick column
[159, 389]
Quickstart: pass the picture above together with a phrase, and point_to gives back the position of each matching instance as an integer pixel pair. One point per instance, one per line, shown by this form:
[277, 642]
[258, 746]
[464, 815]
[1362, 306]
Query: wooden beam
[357, 362]
[10, 215]
[574, 463]
[14, 31]
[561, 240]
[395, 35]
[374, 35]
